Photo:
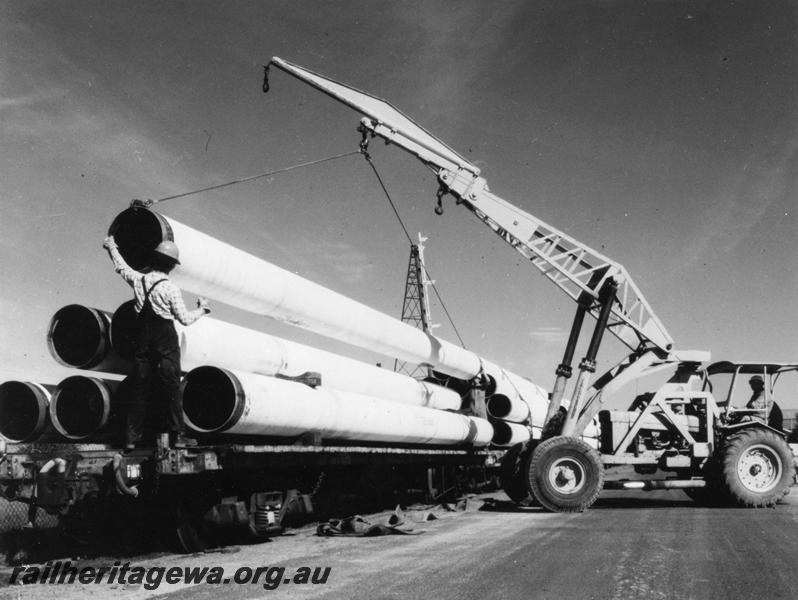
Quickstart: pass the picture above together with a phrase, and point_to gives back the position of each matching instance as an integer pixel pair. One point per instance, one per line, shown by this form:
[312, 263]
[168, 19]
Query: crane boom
[574, 267]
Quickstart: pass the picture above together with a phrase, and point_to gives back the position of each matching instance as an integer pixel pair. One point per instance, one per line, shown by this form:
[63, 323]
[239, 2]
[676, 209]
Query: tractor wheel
[565, 474]
[756, 467]
[511, 473]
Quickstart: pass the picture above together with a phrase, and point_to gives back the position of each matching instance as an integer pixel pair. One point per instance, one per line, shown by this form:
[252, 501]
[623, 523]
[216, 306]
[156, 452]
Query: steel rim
[759, 468]
[567, 475]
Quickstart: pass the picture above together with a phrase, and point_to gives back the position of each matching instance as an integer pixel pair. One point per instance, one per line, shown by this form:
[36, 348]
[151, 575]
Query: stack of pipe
[218, 401]
[228, 346]
[210, 267]
[237, 382]
[77, 409]
[245, 359]
[213, 342]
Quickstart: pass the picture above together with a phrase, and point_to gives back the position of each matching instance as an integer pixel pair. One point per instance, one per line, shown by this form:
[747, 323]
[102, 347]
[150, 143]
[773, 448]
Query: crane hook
[364, 141]
[439, 205]
[265, 79]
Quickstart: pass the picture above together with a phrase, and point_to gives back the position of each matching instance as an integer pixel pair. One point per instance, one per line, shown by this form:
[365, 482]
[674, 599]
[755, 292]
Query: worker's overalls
[156, 378]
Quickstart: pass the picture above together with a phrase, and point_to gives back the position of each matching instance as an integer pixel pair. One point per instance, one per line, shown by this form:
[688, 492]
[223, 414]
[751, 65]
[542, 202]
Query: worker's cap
[169, 250]
[756, 378]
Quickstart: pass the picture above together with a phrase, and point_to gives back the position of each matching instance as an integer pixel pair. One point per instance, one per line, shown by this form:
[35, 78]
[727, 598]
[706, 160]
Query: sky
[663, 134]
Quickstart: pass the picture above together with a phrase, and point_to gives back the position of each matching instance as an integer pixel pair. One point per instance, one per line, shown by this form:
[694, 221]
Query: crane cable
[367, 156]
[253, 177]
[361, 150]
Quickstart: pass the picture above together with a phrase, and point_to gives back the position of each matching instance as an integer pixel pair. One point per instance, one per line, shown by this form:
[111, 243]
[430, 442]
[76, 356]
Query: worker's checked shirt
[165, 298]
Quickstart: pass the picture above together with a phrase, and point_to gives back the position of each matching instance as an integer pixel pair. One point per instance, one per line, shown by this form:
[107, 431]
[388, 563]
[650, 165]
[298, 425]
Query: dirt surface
[629, 545]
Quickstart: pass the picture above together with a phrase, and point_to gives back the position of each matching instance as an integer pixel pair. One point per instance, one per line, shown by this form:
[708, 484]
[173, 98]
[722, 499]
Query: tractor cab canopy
[737, 376]
[754, 368]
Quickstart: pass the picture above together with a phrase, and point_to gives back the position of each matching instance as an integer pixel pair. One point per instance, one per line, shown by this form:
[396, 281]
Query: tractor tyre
[565, 474]
[757, 468]
[512, 476]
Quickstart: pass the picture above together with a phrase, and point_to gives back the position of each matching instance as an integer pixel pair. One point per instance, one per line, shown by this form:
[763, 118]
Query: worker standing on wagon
[158, 303]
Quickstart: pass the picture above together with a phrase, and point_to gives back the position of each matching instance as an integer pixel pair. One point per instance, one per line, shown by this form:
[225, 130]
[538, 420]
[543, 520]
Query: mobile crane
[678, 431]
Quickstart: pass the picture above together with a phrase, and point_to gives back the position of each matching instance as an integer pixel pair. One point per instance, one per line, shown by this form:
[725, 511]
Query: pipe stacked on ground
[24, 410]
[215, 269]
[213, 342]
[220, 401]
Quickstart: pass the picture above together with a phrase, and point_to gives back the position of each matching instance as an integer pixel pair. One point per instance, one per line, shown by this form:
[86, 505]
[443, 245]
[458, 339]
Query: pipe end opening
[502, 433]
[499, 406]
[80, 407]
[212, 399]
[77, 336]
[23, 411]
[137, 232]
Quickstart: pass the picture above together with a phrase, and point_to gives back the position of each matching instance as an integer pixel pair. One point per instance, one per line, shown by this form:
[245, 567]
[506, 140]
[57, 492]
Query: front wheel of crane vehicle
[512, 475]
[757, 467]
[565, 474]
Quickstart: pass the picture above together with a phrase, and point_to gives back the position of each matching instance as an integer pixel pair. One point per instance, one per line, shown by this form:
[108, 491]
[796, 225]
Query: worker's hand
[203, 304]
[109, 242]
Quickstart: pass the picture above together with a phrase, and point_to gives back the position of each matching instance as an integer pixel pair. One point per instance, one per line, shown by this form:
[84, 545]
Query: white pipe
[509, 434]
[502, 407]
[212, 268]
[519, 391]
[79, 337]
[221, 401]
[213, 342]
[517, 399]
[81, 406]
[24, 408]
[215, 269]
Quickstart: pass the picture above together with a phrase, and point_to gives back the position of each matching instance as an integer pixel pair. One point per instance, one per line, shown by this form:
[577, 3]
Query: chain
[442, 191]
[364, 141]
